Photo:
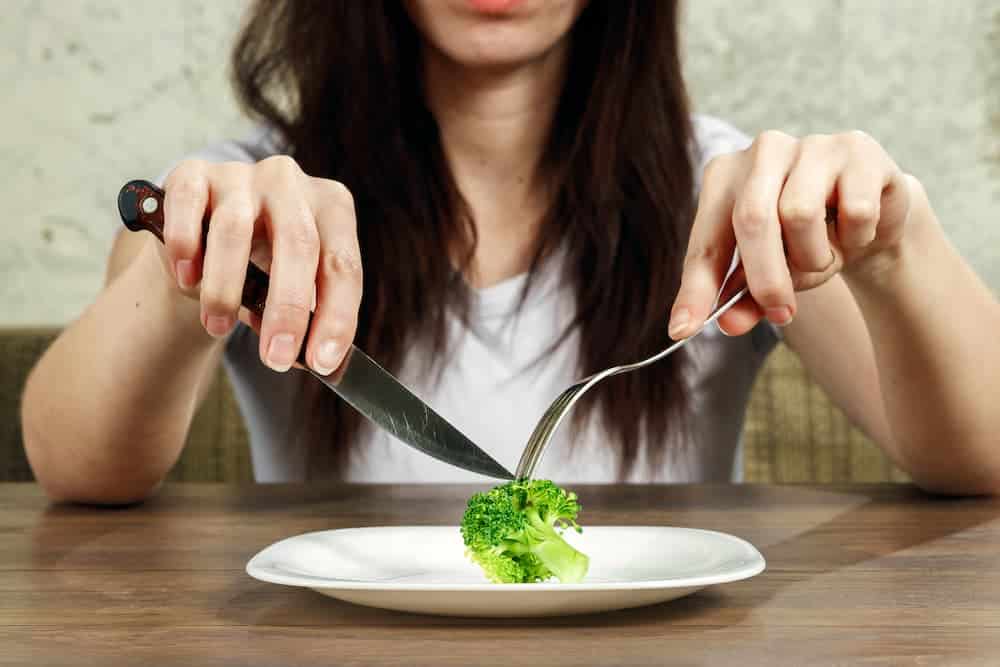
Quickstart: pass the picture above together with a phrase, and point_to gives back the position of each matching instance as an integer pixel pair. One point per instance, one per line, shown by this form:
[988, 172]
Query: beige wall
[102, 91]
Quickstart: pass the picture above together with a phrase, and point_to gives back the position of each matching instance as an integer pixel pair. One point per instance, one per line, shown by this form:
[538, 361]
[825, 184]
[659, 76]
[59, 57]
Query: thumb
[700, 283]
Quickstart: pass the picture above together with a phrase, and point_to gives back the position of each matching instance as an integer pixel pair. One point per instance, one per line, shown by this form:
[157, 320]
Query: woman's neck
[494, 128]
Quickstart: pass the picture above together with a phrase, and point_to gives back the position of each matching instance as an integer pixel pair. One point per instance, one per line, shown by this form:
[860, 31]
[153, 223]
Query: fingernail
[218, 325]
[780, 315]
[281, 352]
[185, 273]
[326, 357]
[679, 322]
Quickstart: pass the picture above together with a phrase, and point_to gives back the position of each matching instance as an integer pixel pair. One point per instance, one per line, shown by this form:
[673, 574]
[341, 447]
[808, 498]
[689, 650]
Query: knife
[366, 386]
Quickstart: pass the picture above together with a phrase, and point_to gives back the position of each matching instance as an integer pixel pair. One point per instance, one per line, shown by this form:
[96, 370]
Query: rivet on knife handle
[140, 204]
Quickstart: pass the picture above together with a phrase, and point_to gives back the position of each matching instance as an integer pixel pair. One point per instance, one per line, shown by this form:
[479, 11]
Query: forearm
[107, 408]
[934, 327]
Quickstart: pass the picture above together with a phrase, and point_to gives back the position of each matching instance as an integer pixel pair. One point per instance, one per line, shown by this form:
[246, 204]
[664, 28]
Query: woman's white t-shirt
[490, 389]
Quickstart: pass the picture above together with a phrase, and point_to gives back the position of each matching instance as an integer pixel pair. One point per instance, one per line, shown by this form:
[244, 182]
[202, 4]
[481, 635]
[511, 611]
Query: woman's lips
[494, 6]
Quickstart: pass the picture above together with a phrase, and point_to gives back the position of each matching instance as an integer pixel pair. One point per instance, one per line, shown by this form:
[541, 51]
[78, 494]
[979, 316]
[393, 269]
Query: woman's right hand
[298, 228]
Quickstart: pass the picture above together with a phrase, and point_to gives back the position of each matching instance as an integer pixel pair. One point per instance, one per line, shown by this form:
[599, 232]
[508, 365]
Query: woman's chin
[485, 50]
[494, 33]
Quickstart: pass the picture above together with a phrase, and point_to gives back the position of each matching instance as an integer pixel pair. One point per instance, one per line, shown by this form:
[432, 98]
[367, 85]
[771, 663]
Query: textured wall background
[101, 91]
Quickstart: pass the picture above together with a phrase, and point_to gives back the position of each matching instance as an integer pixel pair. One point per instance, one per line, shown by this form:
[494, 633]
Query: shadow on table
[857, 529]
[298, 607]
[873, 525]
[843, 530]
[64, 535]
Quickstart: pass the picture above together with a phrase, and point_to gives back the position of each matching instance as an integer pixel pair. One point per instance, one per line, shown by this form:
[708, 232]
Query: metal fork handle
[555, 413]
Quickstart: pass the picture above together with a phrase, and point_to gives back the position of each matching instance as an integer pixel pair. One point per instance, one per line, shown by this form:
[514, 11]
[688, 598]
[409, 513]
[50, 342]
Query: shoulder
[713, 136]
[260, 142]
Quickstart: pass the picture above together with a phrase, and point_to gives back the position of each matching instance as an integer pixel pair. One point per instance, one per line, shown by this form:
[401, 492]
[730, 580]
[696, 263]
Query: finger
[758, 232]
[741, 318]
[338, 278]
[710, 248]
[295, 254]
[745, 313]
[897, 198]
[860, 187]
[227, 252]
[184, 208]
[802, 205]
[252, 319]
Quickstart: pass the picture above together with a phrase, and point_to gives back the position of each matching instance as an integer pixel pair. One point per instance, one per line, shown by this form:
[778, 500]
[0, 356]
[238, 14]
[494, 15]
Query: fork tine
[557, 411]
[537, 441]
[540, 437]
[552, 416]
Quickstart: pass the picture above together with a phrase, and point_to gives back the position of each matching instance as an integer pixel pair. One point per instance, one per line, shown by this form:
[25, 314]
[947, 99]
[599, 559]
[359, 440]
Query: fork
[552, 417]
[555, 413]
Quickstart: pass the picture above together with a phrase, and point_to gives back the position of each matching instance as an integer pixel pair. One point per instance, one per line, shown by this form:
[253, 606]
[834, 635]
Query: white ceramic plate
[423, 569]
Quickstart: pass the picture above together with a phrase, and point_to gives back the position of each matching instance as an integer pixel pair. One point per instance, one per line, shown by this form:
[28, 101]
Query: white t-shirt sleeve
[260, 143]
[714, 137]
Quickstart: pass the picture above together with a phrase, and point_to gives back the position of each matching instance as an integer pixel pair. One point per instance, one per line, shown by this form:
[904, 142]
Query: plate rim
[259, 570]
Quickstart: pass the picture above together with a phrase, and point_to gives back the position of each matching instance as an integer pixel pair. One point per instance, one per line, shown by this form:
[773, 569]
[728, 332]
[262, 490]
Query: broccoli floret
[513, 533]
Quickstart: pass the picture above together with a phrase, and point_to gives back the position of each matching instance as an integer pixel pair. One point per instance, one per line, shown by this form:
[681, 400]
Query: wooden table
[855, 573]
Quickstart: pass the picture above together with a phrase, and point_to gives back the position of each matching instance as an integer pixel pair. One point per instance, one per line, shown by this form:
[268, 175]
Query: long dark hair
[340, 80]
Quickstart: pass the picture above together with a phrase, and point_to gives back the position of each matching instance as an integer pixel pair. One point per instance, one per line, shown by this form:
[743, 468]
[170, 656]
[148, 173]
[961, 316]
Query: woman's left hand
[771, 202]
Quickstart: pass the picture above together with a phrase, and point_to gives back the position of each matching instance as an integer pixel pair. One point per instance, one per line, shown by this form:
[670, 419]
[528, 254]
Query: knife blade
[360, 381]
[375, 393]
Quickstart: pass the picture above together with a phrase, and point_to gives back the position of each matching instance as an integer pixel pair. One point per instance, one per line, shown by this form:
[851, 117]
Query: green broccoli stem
[568, 564]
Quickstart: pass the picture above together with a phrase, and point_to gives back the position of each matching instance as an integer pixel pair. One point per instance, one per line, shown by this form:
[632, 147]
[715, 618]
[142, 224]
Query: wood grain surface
[879, 573]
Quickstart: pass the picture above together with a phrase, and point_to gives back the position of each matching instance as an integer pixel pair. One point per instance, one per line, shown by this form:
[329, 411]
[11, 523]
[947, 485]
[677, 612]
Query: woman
[518, 180]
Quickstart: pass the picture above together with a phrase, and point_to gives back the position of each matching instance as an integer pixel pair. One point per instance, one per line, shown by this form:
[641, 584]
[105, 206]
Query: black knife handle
[140, 205]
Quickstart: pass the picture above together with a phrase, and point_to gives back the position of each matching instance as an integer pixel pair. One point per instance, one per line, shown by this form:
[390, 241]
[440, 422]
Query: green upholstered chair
[792, 434]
